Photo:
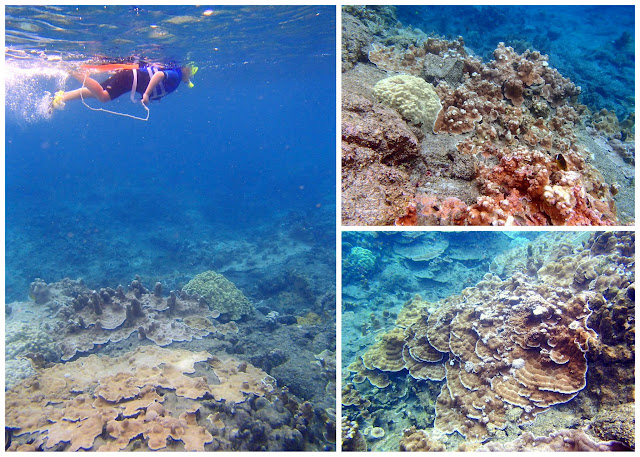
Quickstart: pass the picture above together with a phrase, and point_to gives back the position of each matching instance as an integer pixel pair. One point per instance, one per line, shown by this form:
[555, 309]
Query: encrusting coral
[509, 349]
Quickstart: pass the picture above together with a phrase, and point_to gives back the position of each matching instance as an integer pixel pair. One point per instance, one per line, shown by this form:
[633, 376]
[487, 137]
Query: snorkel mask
[193, 70]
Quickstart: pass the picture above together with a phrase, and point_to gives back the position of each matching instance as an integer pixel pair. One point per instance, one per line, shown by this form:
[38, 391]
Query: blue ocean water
[248, 154]
[592, 45]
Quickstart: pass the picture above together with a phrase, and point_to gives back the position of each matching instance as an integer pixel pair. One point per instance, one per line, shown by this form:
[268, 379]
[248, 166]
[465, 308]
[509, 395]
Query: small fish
[562, 163]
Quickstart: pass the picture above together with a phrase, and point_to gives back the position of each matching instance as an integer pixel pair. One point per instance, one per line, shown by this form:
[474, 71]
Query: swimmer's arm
[155, 80]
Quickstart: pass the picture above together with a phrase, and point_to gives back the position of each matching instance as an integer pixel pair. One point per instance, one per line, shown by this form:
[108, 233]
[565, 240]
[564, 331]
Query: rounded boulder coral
[361, 259]
[414, 98]
[220, 294]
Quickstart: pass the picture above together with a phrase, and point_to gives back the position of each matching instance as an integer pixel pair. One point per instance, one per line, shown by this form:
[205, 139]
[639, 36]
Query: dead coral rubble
[511, 349]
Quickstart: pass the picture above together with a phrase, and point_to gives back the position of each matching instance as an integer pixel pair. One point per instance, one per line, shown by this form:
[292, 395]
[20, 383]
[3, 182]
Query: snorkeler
[152, 82]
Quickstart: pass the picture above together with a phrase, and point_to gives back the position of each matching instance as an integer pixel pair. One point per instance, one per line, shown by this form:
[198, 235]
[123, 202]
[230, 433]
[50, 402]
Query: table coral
[220, 294]
[425, 249]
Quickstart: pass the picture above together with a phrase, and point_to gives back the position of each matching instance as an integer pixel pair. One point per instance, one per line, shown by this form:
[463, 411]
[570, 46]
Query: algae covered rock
[220, 294]
[616, 424]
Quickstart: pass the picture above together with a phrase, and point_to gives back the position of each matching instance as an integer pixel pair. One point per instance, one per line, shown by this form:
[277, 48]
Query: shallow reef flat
[537, 355]
[138, 369]
[433, 135]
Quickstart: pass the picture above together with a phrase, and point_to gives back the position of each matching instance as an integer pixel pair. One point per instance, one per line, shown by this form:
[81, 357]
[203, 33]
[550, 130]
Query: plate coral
[505, 362]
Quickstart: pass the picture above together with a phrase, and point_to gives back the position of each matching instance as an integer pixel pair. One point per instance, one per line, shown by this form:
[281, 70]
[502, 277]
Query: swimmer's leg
[75, 94]
[91, 86]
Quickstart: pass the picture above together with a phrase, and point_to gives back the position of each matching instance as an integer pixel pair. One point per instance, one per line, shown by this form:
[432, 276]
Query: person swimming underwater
[152, 82]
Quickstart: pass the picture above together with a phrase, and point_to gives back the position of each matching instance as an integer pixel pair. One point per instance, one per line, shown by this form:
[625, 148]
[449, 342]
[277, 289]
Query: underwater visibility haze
[488, 341]
[201, 241]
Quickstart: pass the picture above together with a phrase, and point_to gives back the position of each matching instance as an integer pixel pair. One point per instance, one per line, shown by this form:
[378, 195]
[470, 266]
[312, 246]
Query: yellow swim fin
[58, 100]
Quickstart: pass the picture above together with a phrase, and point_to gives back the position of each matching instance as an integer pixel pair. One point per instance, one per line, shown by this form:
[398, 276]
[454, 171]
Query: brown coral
[110, 316]
[418, 441]
[125, 399]
[414, 60]
[518, 341]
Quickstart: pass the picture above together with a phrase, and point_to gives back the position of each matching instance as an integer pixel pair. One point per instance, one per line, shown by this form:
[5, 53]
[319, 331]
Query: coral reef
[89, 319]
[220, 294]
[23, 339]
[361, 259]
[617, 424]
[75, 321]
[559, 325]
[157, 398]
[518, 158]
[352, 439]
[58, 407]
[418, 441]
[422, 60]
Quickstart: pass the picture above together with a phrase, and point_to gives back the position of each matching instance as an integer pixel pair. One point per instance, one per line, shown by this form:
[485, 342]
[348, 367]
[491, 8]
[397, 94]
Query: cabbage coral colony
[508, 350]
[508, 153]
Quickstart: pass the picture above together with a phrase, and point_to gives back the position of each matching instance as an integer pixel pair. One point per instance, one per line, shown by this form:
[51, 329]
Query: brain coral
[413, 97]
[220, 293]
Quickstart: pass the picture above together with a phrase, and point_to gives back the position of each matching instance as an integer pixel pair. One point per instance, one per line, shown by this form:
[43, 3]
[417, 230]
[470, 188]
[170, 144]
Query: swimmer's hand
[145, 99]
